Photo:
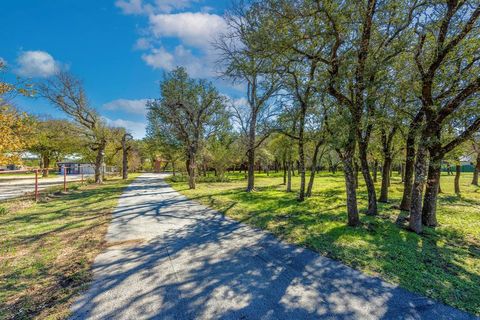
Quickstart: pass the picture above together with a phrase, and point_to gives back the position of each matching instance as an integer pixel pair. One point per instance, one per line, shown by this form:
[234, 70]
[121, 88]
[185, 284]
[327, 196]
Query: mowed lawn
[443, 264]
[46, 249]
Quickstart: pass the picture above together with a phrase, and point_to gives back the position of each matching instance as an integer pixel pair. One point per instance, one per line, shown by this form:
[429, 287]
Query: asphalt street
[12, 187]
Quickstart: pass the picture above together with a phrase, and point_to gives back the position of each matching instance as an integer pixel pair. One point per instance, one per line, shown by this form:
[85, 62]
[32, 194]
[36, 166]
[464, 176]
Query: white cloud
[194, 32]
[197, 67]
[129, 106]
[136, 7]
[143, 44]
[196, 29]
[137, 129]
[170, 5]
[160, 59]
[36, 64]
[130, 6]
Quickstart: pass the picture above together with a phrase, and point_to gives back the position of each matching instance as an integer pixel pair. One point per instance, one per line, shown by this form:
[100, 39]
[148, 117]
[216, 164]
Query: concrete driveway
[171, 258]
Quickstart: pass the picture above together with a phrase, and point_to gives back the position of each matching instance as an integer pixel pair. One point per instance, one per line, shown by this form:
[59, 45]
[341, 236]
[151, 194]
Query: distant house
[466, 163]
[73, 167]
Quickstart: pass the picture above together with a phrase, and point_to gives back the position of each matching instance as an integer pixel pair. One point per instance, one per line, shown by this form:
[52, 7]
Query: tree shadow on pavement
[203, 265]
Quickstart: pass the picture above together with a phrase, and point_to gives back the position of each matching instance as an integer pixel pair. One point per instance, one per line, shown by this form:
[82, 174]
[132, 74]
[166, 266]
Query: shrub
[200, 179]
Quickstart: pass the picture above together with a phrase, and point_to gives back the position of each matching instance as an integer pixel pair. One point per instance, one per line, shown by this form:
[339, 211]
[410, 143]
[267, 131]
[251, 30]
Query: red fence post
[64, 178]
[36, 185]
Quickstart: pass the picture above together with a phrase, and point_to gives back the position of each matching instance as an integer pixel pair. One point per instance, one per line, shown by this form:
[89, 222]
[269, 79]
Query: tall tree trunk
[251, 170]
[125, 165]
[192, 165]
[372, 195]
[99, 159]
[46, 165]
[387, 168]
[375, 170]
[301, 159]
[350, 185]
[429, 210]
[476, 171]
[313, 169]
[289, 176]
[415, 221]
[348, 158]
[187, 165]
[409, 168]
[125, 156]
[251, 152]
[429, 217]
[284, 172]
[356, 168]
[173, 168]
[191, 172]
[458, 170]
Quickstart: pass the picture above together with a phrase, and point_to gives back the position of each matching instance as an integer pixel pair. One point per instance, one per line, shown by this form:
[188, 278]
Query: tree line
[354, 82]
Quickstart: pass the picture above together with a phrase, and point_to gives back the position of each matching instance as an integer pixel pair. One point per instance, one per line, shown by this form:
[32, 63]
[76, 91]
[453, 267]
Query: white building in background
[73, 167]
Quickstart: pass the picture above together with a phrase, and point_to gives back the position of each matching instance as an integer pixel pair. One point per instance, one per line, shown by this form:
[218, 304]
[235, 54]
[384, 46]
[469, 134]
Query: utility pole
[125, 150]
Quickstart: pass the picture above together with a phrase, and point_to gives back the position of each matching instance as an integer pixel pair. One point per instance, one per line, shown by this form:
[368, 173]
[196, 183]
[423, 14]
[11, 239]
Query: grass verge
[443, 264]
[47, 248]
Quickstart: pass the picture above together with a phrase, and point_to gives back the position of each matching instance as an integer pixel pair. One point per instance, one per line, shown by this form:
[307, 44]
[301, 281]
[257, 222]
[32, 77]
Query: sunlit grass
[443, 264]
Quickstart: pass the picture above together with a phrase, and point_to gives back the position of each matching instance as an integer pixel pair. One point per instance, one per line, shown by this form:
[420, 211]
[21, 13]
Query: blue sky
[119, 48]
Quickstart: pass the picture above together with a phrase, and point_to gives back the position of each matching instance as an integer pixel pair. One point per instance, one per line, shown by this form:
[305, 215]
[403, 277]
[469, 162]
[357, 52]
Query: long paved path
[171, 258]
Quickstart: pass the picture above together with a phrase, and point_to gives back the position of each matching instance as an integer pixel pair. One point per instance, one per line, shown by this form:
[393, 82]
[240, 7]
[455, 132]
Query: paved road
[171, 258]
[12, 187]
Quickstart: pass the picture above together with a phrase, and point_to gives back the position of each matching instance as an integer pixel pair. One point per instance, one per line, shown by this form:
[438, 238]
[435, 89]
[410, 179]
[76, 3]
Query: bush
[3, 210]
[200, 179]
[178, 178]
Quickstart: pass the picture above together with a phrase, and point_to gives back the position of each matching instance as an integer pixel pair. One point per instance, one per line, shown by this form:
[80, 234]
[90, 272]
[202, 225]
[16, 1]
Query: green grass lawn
[46, 249]
[443, 264]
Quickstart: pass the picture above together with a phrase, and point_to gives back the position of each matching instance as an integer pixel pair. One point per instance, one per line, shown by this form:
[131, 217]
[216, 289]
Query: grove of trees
[357, 86]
